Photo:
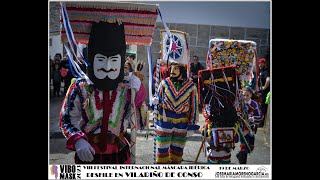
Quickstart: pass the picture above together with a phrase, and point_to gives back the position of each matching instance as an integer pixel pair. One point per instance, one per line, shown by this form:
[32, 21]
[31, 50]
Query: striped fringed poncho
[185, 100]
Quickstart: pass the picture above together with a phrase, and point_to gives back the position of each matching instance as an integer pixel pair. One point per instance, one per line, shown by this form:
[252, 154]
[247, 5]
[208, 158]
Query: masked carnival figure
[254, 116]
[178, 113]
[136, 89]
[217, 93]
[91, 116]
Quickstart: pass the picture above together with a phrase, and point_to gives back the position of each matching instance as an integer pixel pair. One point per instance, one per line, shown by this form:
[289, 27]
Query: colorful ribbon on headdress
[74, 70]
[78, 72]
[155, 118]
[165, 59]
[148, 48]
[69, 33]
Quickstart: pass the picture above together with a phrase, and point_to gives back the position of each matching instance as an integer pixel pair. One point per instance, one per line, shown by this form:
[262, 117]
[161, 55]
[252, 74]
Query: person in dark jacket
[195, 67]
[56, 80]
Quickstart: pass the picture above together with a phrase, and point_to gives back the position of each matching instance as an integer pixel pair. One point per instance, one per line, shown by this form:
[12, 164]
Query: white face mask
[104, 66]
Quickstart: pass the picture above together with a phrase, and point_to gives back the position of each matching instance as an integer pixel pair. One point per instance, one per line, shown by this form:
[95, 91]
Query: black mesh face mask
[106, 54]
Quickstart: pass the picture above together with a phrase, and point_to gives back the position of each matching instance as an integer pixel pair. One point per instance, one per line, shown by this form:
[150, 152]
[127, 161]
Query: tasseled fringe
[139, 28]
[98, 13]
[139, 42]
[112, 19]
[130, 30]
[130, 40]
[114, 5]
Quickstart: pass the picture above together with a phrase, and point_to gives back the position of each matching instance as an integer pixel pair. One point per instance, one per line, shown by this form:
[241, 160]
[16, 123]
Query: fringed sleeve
[70, 115]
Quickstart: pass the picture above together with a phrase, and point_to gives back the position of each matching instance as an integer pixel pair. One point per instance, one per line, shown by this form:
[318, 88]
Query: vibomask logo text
[65, 172]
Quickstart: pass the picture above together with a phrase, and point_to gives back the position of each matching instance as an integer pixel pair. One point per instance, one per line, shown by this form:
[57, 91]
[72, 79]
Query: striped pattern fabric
[171, 137]
[155, 118]
[67, 127]
[183, 101]
[90, 118]
[139, 20]
[215, 155]
[217, 152]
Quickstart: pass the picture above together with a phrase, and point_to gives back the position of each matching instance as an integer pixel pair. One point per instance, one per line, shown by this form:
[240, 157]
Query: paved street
[144, 150]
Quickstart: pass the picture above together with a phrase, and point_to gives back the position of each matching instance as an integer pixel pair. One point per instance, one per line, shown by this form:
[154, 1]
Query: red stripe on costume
[162, 133]
[110, 10]
[64, 32]
[161, 155]
[171, 151]
[177, 134]
[136, 24]
[168, 106]
[146, 37]
[126, 24]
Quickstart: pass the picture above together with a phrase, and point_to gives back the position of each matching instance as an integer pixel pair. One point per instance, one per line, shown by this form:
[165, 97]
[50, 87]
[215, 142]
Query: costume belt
[97, 138]
[102, 140]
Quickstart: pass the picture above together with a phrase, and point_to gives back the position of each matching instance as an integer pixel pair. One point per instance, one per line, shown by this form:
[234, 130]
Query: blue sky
[240, 14]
